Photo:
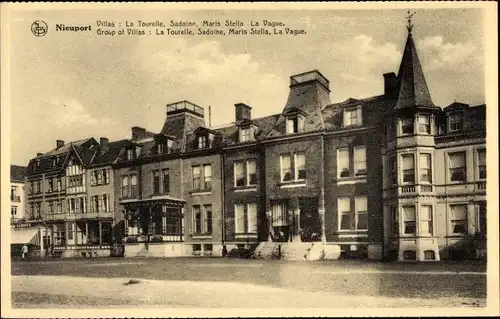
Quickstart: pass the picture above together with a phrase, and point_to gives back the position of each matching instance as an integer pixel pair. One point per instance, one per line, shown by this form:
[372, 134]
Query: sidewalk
[65, 291]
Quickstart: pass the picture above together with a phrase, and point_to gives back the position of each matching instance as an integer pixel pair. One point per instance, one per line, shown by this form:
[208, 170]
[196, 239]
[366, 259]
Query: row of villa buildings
[390, 176]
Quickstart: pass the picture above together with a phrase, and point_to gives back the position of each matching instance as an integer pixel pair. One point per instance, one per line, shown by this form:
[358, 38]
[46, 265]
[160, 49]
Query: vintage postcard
[248, 159]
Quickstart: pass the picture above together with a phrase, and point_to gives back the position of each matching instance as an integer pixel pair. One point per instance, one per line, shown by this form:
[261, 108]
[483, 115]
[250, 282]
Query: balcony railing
[412, 189]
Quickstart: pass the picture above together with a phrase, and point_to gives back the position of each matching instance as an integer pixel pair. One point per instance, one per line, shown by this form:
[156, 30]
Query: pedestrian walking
[24, 251]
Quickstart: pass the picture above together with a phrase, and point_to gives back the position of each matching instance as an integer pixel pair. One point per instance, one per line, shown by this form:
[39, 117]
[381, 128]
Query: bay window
[409, 220]
[426, 224]
[424, 125]
[425, 168]
[407, 125]
[408, 168]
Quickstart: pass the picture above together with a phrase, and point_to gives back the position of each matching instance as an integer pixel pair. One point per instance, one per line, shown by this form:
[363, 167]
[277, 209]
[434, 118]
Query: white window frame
[403, 169]
[359, 172]
[247, 173]
[402, 121]
[455, 122]
[453, 220]
[340, 214]
[339, 169]
[478, 165]
[296, 168]
[281, 168]
[426, 220]
[427, 122]
[429, 169]
[246, 134]
[348, 121]
[408, 221]
[359, 212]
[291, 120]
[239, 227]
[450, 168]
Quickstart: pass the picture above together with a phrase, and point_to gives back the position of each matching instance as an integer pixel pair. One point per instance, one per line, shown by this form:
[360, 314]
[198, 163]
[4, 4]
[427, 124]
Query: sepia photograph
[245, 159]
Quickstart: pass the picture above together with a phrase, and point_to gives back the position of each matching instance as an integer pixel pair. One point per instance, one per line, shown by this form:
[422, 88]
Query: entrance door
[309, 219]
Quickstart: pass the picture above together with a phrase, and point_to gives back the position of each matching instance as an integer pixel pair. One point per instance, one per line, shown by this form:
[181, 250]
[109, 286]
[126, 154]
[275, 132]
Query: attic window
[202, 141]
[246, 134]
[353, 116]
[130, 154]
[294, 124]
[455, 122]
[161, 147]
[54, 161]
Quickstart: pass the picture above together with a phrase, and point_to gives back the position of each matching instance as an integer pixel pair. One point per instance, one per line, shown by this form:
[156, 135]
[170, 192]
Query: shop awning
[25, 236]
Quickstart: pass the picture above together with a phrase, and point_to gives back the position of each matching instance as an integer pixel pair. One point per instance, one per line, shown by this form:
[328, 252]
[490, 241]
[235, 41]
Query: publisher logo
[39, 28]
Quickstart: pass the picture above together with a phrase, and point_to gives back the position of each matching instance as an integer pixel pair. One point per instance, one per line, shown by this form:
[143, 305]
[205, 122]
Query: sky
[70, 86]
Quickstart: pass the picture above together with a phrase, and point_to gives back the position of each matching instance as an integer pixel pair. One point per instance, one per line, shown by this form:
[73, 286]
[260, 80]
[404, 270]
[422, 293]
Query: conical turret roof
[413, 90]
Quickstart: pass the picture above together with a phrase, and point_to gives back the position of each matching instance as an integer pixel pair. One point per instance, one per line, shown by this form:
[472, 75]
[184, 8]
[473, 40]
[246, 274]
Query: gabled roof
[413, 87]
[17, 173]
[229, 133]
[113, 153]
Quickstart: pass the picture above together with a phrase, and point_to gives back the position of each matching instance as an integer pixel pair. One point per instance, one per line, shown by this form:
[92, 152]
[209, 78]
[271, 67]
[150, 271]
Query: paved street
[430, 285]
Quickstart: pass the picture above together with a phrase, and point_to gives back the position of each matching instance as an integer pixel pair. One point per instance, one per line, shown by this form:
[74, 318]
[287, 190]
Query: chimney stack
[104, 143]
[138, 133]
[59, 144]
[390, 85]
[243, 112]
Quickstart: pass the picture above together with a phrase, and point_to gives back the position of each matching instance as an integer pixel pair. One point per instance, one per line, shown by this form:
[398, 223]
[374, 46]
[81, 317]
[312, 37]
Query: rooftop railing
[184, 105]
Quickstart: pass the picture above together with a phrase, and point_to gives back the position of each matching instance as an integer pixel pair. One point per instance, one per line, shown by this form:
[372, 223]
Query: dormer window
[54, 162]
[246, 134]
[130, 154]
[407, 125]
[294, 124]
[161, 148]
[353, 116]
[202, 141]
[455, 122]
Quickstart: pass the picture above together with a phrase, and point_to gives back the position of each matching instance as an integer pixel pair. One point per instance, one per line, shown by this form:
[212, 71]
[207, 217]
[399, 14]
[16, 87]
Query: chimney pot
[390, 84]
[104, 143]
[59, 144]
[138, 133]
[243, 112]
